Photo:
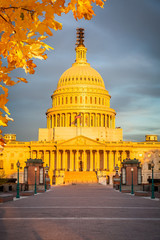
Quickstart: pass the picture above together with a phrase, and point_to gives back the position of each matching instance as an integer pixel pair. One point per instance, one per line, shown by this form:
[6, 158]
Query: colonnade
[81, 120]
[82, 160]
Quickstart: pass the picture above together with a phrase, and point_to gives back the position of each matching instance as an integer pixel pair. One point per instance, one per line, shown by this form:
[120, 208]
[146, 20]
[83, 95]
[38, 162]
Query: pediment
[81, 141]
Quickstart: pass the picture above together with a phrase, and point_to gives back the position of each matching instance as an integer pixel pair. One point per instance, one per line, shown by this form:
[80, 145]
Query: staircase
[80, 177]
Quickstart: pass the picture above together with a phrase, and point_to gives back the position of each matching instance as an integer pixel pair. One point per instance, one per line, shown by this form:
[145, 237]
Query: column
[111, 161]
[116, 158]
[91, 160]
[101, 120]
[114, 122]
[76, 161]
[58, 159]
[98, 158]
[50, 173]
[71, 160]
[52, 160]
[55, 120]
[84, 160]
[122, 156]
[105, 160]
[44, 158]
[109, 121]
[95, 120]
[65, 160]
[90, 115]
[108, 156]
[52, 121]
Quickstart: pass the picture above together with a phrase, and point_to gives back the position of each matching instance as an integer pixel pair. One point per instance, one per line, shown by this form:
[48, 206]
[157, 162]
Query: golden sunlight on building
[81, 142]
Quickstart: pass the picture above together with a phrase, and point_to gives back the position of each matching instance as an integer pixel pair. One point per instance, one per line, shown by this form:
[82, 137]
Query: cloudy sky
[123, 42]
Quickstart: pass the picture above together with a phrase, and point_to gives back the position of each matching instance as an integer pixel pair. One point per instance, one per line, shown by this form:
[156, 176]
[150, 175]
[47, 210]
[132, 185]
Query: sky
[123, 42]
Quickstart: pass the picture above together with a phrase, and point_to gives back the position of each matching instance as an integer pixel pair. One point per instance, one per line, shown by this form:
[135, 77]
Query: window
[149, 166]
[75, 99]
[85, 99]
[91, 121]
[123, 176]
[70, 99]
[80, 99]
[25, 174]
[99, 101]
[66, 100]
[58, 120]
[139, 176]
[90, 100]
[12, 166]
[95, 100]
[41, 175]
[62, 100]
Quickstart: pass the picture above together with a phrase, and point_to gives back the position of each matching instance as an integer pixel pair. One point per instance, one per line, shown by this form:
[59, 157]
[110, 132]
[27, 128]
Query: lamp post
[18, 166]
[46, 171]
[152, 166]
[132, 192]
[120, 184]
[35, 186]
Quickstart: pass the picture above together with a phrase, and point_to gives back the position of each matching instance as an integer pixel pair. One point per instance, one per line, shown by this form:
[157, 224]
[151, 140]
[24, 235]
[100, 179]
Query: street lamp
[116, 168]
[46, 171]
[18, 166]
[120, 184]
[152, 166]
[35, 187]
[132, 192]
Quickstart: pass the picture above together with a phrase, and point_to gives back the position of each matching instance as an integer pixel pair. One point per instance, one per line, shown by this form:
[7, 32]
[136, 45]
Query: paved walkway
[81, 212]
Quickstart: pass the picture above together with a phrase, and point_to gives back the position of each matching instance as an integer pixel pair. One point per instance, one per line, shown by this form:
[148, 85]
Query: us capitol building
[81, 142]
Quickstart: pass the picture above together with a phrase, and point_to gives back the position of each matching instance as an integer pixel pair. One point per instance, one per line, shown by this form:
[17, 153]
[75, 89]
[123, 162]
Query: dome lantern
[81, 50]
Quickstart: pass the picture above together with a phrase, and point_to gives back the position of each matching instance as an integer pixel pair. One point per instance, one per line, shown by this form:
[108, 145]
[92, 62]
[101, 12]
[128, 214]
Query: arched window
[95, 100]
[66, 100]
[75, 99]
[91, 121]
[58, 120]
[70, 99]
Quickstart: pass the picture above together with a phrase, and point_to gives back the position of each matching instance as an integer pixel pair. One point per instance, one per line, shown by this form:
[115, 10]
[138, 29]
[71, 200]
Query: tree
[24, 27]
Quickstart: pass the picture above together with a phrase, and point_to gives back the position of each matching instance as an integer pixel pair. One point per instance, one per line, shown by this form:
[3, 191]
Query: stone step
[80, 177]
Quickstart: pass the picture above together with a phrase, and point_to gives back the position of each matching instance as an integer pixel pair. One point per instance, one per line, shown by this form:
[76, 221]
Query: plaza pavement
[81, 212]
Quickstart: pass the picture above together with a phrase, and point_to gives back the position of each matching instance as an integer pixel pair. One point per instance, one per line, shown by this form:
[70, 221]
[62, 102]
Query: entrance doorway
[80, 166]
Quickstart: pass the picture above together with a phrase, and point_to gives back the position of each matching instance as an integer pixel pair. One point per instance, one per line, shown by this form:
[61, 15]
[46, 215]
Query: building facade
[80, 135]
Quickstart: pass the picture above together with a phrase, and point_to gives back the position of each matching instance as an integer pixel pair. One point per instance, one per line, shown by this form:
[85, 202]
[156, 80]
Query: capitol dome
[81, 74]
[81, 92]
